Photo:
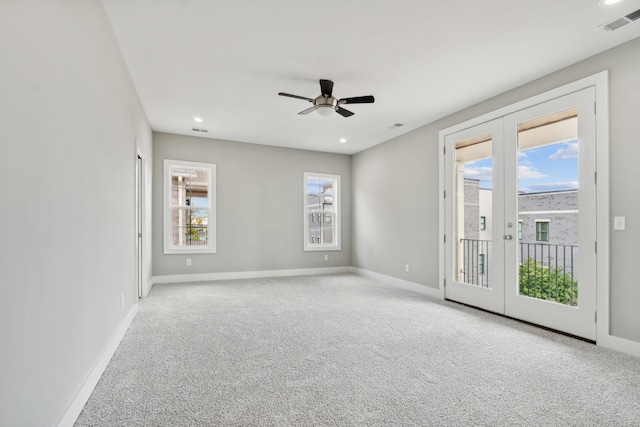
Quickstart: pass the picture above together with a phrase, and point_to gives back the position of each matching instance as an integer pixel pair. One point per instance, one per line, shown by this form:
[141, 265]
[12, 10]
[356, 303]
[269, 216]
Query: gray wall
[395, 207]
[259, 206]
[396, 187]
[69, 116]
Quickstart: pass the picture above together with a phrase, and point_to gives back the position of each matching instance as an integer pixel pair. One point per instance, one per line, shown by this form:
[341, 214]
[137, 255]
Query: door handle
[508, 237]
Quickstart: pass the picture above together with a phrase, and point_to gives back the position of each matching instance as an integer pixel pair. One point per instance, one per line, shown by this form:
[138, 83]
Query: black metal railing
[546, 271]
[549, 272]
[475, 268]
[196, 235]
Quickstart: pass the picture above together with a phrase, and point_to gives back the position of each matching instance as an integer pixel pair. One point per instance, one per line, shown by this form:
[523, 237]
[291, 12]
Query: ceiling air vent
[396, 125]
[199, 130]
[621, 22]
[633, 15]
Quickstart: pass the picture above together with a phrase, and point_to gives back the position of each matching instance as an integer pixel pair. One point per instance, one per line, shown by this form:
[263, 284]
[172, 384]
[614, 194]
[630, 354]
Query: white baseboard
[84, 392]
[620, 344]
[399, 283]
[177, 278]
[147, 288]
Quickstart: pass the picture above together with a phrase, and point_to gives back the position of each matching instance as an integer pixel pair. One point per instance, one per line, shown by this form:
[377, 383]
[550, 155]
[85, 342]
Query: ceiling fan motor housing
[326, 101]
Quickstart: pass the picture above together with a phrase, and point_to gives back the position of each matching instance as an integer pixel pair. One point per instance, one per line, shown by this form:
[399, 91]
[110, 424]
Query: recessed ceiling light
[198, 119]
[343, 140]
[609, 2]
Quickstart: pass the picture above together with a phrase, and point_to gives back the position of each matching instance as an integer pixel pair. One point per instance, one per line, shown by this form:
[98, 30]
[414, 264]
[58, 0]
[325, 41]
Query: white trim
[594, 80]
[336, 211]
[168, 247]
[91, 380]
[147, 288]
[442, 205]
[205, 277]
[620, 344]
[140, 221]
[399, 283]
[603, 289]
[601, 83]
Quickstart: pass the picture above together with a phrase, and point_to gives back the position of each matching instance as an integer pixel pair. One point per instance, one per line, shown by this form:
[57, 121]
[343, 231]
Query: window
[542, 230]
[189, 207]
[481, 264]
[321, 212]
[483, 223]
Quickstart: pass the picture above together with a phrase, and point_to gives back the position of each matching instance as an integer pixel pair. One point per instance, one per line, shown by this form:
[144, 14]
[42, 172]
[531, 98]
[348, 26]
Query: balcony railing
[476, 258]
[192, 235]
[549, 272]
[546, 271]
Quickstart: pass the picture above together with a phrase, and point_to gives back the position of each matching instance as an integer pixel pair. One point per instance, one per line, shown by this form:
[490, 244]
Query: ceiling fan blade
[358, 100]
[326, 87]
[343, 112]
[295, 96]
[308, 110]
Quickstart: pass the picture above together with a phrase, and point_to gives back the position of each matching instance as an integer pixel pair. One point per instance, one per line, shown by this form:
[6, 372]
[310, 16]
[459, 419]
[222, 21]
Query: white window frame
[210, 247]
[335, 214]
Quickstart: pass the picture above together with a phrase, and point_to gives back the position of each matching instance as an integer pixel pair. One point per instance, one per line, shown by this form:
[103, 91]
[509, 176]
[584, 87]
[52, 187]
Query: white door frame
[579, 320]
[490, 298]
[140, 197]
[600, 83]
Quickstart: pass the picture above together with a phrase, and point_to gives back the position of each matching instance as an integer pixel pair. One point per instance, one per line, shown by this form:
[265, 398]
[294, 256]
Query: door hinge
[594, 108]
[445, 238]
[444, 150]
[596, 247]
[595, 177]
[445, 194]
[595, 315]
[445, 283]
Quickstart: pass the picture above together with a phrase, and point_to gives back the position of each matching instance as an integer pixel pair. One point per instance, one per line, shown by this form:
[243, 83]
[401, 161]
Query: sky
[548, 168]
[314, 186]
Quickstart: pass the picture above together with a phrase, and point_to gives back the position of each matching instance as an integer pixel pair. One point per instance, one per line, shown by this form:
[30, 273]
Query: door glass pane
[548, 194]
[473, 206]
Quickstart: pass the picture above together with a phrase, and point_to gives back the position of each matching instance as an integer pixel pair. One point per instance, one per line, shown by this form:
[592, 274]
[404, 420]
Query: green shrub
[547, 283]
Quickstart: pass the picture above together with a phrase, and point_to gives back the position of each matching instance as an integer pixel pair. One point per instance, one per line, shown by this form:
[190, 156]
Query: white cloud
[483, 173]
[551, 186]
[569, 151]
[529, 172]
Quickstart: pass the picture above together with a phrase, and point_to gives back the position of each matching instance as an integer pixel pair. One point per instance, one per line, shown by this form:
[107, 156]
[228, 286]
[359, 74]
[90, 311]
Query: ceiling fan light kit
[326, 103]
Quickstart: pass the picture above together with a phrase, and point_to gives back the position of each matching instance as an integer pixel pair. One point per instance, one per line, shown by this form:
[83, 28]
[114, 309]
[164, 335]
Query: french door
[520, 220]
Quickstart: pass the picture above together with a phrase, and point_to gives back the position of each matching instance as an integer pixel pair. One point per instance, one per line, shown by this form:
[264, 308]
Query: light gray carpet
[343, 350]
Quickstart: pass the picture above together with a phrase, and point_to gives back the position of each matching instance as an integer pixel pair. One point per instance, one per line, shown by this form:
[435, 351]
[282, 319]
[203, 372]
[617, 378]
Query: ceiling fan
[326, 103]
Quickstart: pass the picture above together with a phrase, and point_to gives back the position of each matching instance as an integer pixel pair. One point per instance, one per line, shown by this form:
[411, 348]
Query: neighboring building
[320, 217]
[547, 230]
[558, 209]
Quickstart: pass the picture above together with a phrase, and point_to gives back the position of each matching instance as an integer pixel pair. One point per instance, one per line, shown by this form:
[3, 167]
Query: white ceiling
[226, 61]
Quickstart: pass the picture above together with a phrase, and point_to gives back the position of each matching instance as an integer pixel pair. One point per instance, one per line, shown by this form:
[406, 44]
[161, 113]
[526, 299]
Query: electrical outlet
[406, 268]
[326, 257]
[189, 261]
